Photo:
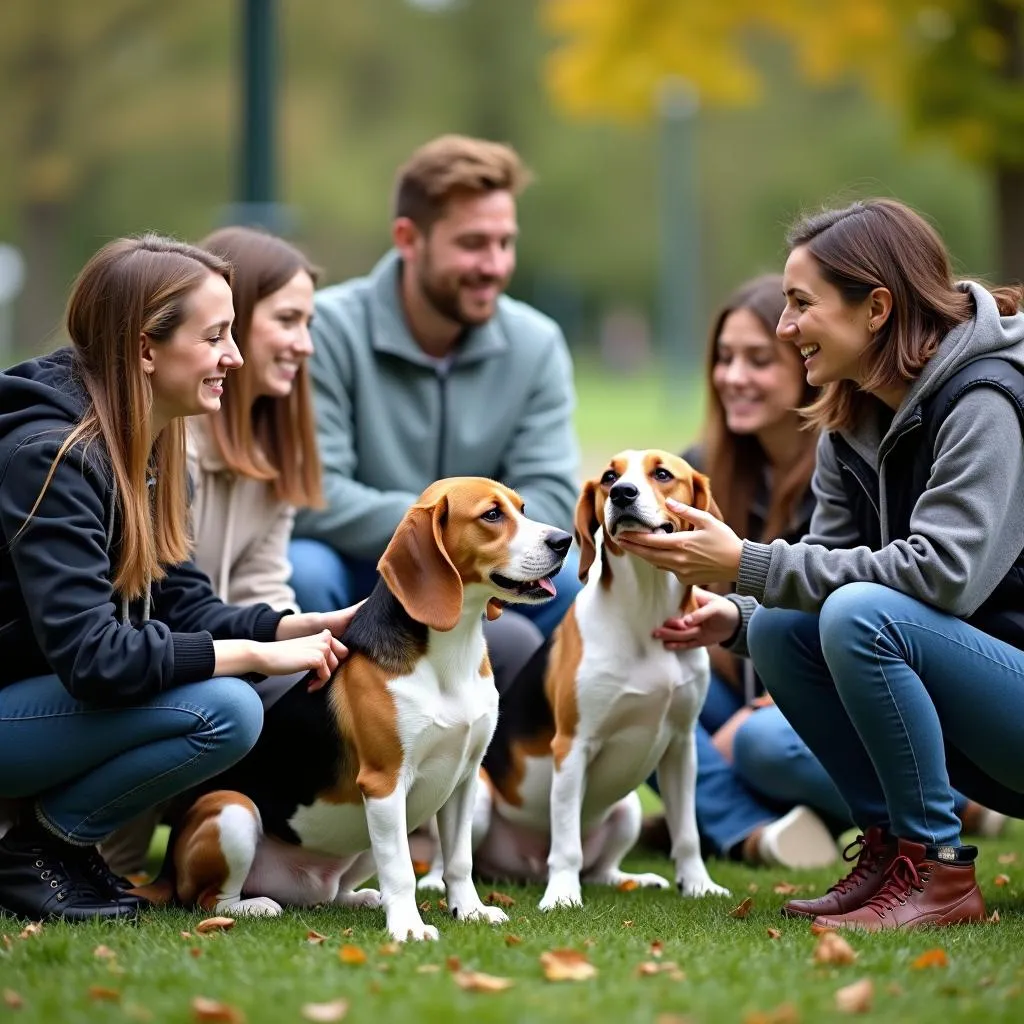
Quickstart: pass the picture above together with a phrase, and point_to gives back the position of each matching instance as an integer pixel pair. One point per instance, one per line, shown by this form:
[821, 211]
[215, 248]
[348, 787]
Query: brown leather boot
[877, 852]
[925, 885]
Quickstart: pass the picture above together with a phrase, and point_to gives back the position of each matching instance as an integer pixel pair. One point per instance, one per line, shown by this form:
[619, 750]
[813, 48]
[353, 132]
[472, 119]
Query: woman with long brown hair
[120, 669]
[892, 637]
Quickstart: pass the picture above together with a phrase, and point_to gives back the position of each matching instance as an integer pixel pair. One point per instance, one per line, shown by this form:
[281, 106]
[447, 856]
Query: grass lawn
[728, 969]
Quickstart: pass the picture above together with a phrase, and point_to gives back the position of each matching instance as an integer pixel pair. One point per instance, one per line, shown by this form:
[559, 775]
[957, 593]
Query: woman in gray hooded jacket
[892, 636]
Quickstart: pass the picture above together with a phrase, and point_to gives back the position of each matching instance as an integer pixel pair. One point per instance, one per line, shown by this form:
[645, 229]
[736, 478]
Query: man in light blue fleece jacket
[425, 369]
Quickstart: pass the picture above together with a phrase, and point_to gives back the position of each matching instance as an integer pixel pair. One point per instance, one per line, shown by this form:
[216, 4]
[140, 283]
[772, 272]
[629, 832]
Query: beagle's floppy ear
[418, 571]
[702, 495]
[586, 524]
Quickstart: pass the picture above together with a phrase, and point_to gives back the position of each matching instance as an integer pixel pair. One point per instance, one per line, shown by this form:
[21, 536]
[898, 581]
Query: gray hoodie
[967, 528]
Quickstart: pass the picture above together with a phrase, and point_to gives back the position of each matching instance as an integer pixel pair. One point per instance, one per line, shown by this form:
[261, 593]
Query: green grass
[267, 969]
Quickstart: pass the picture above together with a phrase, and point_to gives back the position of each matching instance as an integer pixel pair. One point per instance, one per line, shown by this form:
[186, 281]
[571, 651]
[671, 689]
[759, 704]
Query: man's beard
[445, 300]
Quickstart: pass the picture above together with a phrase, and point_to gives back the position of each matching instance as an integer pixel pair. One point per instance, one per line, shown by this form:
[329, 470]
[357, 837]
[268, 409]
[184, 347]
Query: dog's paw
[359, 898]
[257, 906]
[433, 881]
[701, 887]
[562, 895]
[409, 930]
[492, 915]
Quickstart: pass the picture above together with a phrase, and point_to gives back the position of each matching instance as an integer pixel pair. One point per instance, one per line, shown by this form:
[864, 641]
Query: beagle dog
[340, 776]
[593, 714]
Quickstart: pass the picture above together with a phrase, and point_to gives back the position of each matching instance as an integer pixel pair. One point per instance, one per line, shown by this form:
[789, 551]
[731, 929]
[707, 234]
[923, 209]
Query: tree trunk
[1010, 223]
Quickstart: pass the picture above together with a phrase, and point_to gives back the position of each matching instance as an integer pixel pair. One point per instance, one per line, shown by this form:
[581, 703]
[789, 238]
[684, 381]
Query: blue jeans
[324, 580]
[894, 697]
[91, 769]
[727, 809]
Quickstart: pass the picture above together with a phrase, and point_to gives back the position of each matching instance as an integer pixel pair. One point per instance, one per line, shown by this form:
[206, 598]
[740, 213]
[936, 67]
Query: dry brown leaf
[215, 924]
[774, 933]
[349, 954]
[12, 999]
[420, 867]
[442, 904]
[743, 910]
[101, 992]
[390, 949]
[103, 953]
[832, 948]
[657, 948]
[647, 968]
[931, 958]
[185, 935]
[1007, 858]
[31, 929]
[211, 1009]
[8, 942]
[334, 1010]
[426, 906]
[315, 938]
[512, 940]
[786, 888]
[1002, 880]
[856, 998]
[650, 967]
[347, 932]
[627, 924]
[820, 929]
[567, 965]
[753, 887]
[476, 981]
[453, 963]
[784, 1013]
[500, 899]
[195, 952]
[993, 918]
[628, 885]
[428, 968]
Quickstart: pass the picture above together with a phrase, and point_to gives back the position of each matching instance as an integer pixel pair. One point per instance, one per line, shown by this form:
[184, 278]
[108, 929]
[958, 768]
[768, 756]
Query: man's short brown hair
[452, 165]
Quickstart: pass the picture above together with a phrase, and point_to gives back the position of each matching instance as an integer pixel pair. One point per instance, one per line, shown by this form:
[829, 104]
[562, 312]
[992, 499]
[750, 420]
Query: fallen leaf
[453, 963]
[566, 965]
[185, 935]
[784, 1013]
[31, 929]
[1007, 858]
[657, 948]
[832, 948]
[428, 968]
[512, 940]
[351, 955]
[389, 949]
[195, 952]
[347, 932]
[650, 967]
[101, 992]
[426, 906]
[591, 943]
[856, 998]
[820, 929]
[743, 910]
[8, 942]
[627, 924]
[12, 999]
[442, 904]
[1002, 880]
[774, 933]
[753, 887]
[420, 867]
[334, 1010]
[500, 899]
[315, 938]
[215, 924]
[103, 953]
[994, 917]
[931, 958]
[628, 885]
[211, 1009]
[476, 981]
[786, 888]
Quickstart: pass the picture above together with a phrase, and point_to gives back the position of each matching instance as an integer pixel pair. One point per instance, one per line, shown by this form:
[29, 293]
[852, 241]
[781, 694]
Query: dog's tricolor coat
[339, 777]
[589, 719]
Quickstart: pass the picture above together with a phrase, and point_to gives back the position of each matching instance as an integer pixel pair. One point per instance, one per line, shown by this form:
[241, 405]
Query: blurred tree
[953, 68]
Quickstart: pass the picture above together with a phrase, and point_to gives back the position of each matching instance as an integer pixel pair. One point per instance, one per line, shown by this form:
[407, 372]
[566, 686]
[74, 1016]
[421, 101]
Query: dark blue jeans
[323, 580]
[895, 698]
[92, 769]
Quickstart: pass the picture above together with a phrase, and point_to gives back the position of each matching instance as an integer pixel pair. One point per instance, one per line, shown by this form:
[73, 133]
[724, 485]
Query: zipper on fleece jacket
[442, 429]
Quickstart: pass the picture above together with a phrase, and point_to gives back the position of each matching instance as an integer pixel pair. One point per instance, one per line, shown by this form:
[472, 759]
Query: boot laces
[97, 870]
[902, 878]
[53, 871]
[867, 856]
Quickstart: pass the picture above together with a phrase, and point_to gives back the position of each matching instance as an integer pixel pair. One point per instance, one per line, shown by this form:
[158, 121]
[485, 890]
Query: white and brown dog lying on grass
[592, 715]
[339, 777]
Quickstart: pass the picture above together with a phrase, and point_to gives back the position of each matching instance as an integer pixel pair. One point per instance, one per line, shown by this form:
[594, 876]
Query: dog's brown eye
[493, 515]
[610, 476]
[662, 475]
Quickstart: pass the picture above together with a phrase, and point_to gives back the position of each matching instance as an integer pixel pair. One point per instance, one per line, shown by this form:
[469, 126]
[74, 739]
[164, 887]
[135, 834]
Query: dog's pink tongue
[546, 584]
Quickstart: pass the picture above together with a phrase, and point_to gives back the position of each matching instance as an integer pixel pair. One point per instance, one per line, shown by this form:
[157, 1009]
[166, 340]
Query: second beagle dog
[590, 718]
[339, 777]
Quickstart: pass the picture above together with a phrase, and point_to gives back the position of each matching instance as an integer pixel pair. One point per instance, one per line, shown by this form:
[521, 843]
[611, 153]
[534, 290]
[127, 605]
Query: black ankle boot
[95, 871]
[41, 877]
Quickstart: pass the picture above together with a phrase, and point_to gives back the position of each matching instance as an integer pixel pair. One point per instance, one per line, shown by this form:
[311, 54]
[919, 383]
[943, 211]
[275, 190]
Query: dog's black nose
[623, 495]
[559, 542]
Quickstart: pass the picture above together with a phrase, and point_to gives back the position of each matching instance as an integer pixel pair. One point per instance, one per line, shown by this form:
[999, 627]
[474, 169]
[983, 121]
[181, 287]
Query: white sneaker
[799, 839]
